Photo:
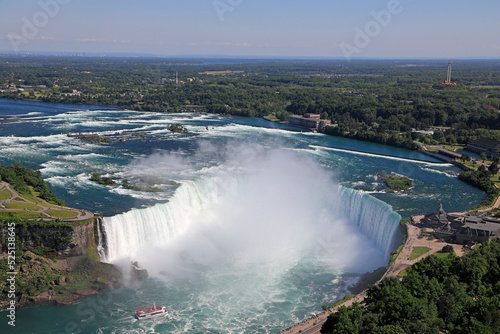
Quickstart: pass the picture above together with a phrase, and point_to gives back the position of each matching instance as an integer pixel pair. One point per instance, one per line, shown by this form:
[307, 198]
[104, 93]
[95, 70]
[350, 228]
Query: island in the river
[398, 183]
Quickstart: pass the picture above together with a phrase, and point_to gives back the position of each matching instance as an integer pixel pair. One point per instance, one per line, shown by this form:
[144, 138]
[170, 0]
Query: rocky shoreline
[59, 281]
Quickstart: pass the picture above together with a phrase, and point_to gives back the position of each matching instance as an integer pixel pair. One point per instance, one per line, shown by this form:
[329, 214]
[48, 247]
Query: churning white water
[251, 241]
[276, 206]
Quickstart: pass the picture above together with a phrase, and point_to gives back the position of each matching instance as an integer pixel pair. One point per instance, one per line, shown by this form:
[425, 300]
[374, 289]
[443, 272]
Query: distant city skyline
[292, 28]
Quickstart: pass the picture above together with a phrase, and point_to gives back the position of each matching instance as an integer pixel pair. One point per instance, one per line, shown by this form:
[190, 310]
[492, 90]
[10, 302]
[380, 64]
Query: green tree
[345, 320]
[493, 168]
[96, 177]
[465, 157]
[447, 249]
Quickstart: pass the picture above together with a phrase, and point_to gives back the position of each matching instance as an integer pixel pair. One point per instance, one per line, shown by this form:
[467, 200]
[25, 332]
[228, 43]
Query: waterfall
[372, 216]
[130, 233]
[102, 239]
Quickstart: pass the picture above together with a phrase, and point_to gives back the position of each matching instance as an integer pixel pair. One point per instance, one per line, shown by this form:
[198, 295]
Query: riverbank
[313, 325]
[60, 281]
[48, 252]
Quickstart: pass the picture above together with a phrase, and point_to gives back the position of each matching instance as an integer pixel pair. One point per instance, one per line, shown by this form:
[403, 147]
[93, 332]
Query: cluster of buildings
[309, 121]
[11, 85]
[22, 87]
[463, 228]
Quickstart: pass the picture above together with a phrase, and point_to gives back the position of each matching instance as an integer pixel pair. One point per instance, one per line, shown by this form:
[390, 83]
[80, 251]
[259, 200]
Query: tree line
[378, 101]
[22, 178]
[456, 295]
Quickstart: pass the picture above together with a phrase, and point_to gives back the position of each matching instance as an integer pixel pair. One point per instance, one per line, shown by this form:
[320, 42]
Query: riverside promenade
[313, 325]
[15, 203]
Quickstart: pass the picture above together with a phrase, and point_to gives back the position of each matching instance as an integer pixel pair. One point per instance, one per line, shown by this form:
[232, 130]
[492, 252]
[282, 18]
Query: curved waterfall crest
[132, 232]
[372, 216]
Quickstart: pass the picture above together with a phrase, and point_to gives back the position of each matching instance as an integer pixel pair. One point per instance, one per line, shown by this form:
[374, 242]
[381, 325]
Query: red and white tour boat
[151, 312]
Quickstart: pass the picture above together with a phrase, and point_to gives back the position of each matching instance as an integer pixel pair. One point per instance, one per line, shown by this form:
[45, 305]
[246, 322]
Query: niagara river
[252, 225]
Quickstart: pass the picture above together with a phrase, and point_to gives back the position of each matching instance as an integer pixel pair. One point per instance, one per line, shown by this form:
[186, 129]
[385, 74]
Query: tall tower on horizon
[448, 75]
[177, 77]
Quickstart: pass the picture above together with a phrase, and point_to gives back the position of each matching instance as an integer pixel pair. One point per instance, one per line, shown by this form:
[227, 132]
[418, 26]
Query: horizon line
[83, 54]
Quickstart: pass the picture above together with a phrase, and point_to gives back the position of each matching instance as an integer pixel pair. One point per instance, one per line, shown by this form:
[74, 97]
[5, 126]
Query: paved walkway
[44, 206]
[495, 205]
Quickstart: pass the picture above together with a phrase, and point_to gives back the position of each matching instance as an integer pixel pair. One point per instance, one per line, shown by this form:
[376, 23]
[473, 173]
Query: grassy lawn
[452, 147]
[402, 273]
[21, 214]
[338, 302]
[418, 251]
[395, 254]
[5, 194]
[441, 255]
[272, 118]
[496, 178]
[40, 202]
[62, 213]
[19, 205]
[346, 298]
[469, 164]
[35, 193]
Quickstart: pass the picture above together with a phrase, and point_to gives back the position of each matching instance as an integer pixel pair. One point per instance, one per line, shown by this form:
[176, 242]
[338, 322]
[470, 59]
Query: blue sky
[314, 28]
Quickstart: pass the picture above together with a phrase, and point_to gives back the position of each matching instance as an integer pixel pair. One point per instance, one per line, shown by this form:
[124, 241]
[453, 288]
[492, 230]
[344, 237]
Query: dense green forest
[481, 178]
[21, 178]
[374, 100]
[455, 295]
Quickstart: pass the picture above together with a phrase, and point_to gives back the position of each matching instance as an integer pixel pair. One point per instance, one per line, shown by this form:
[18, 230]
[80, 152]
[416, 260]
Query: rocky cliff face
[56, 262]
[63, 238]
[82, 237]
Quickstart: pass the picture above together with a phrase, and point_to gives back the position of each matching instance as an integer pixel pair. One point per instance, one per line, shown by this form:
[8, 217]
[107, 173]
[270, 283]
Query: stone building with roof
[477, 231]
[310, 121]
[435, 218]
[470, 227]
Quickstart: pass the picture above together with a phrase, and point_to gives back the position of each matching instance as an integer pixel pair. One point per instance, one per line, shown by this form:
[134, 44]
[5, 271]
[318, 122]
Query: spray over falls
[279, 209]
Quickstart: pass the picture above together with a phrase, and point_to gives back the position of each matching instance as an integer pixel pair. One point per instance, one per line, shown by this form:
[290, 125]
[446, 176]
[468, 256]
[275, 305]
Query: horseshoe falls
[248, 239]
[134, 232]
[250, 227]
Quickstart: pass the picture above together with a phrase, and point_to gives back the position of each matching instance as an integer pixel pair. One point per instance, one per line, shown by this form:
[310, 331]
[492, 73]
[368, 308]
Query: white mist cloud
[284, 208]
